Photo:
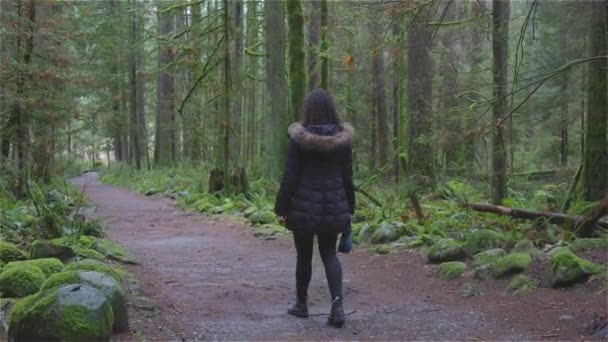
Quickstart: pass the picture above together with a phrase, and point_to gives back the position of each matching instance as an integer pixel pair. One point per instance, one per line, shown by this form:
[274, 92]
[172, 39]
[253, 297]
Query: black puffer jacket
[317, 189]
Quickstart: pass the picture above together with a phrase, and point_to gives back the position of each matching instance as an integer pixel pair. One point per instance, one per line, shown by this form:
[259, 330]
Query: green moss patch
[488, 257]
[521, 284]
[446, 250]
[21, 281]
[484, 239]
[114, 252]
[526, 246]
[48, 266]
[87, 253]
[451, 269]
[567, 268]
[93, 265]
[510, 264]
[68, 313]
[383, 249]
[589, 244]
[384, 233]
[10, 252]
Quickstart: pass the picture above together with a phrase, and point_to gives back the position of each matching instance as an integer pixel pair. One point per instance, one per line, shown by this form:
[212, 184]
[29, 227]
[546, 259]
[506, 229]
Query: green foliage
[488, 257]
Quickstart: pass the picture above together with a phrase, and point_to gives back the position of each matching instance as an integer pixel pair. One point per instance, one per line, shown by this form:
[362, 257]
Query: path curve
[211, 279]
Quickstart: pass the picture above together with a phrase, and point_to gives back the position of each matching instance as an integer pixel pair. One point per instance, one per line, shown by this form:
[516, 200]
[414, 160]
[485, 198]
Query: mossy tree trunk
[297, 67]
[276, 85]
[324, 45]
[500, 50]
[594, 174]
[314, 36]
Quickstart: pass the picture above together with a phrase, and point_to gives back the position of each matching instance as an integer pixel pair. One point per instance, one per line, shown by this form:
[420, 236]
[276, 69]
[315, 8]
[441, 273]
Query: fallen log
[557, 218]
[585, 227]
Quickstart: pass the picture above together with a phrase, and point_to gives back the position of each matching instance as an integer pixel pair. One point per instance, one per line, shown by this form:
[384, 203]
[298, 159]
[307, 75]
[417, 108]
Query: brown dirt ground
[209, 278]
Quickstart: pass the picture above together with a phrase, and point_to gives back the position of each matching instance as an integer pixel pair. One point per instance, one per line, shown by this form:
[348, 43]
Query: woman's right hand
[282, 220]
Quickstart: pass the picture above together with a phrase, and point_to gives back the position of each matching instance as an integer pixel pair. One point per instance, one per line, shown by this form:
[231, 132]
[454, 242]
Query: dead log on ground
[557, 218]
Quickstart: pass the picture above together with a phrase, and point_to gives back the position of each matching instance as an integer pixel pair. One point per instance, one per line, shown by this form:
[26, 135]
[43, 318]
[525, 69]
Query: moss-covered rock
[114, 252]
[10, 252]
[383, 249]
[40, 249]
[587, 244]
[364, 232]
[451, 269]
[87, 253]
[567, 268]
[510, 264]
[262, 217]
[384, 233]
[102, 282]
[68, 313]
[488, 257]
[521, 284]
[526, 246]
[48, 266]
[21, 281]
[484, 239]
[93, 265]
[446, 250]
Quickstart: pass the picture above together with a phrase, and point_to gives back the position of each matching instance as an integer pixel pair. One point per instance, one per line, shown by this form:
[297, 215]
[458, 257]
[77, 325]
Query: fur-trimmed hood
[322, 138]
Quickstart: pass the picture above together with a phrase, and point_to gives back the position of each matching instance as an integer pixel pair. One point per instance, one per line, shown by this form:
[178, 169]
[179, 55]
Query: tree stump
[216, 181]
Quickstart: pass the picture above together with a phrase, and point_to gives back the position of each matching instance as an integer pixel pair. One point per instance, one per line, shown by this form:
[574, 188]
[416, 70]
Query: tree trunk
[420, 95]
[324, 44]
[165, 117]
[193, 135]
[135, 138]
[380, 99]
[594, 177]
[237, 80]
[314, 35]
[563, 149]
[500, 48]
[297, 69]
[278, 119]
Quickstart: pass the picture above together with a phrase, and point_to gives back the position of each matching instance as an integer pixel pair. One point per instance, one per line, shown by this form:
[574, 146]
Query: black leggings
[327, 248]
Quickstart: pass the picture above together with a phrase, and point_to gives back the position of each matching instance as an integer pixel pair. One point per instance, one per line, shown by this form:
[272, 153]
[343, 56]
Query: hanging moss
[297, 63]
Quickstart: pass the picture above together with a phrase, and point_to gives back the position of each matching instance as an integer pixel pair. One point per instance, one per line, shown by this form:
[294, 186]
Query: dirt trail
[206, 278]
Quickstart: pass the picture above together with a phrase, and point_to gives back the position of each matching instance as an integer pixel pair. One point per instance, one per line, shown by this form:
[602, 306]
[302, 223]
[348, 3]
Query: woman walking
[317, 197]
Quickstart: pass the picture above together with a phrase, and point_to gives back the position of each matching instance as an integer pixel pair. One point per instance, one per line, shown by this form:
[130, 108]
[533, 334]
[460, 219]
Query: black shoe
[299, 309]
[337, 318]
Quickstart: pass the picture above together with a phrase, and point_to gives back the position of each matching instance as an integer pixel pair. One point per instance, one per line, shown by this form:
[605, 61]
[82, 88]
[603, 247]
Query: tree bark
[276, 85]
[380, 99]
[324, 44]
[594, 175]
[165, 116]
[500, 53]
[420, 95]
[297, 69]
[314, 36]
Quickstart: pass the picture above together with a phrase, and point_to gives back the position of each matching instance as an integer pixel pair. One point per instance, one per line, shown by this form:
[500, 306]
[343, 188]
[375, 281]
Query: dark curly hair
[319, 109]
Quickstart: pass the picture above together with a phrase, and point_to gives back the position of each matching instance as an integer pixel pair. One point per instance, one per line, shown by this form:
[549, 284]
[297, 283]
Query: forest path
[210, 279]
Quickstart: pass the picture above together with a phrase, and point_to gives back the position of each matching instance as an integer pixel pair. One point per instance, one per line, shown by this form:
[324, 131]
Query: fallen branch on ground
[557, 218]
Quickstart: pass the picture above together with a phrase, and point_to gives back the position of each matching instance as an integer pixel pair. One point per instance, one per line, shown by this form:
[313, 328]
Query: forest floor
[210, 278]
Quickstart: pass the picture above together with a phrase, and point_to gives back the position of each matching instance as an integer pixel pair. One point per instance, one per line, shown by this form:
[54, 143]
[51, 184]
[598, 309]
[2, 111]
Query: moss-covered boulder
[446, 250]
[451, 269]
[484, 239]
[114, 252]
[262, 217]
[589, 244]
[510, 264]
[10, 252]
[488, 257]
[384, 233]
[521, 284]
[102, 282]
[48, 266]
[88, 253]
[383, 249]
[68, 313]
[526, 246]
[21, 281]
[40, 249]
[567, 268]
[93, 265]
